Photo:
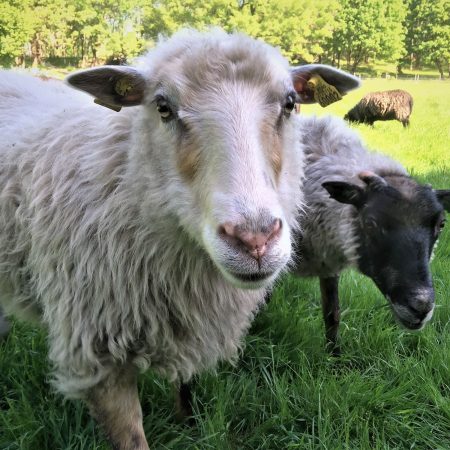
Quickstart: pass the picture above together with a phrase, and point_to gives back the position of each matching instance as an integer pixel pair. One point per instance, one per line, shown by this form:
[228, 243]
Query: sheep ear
[347, 193]
[322, 84]
[112, 86]
[444, 197]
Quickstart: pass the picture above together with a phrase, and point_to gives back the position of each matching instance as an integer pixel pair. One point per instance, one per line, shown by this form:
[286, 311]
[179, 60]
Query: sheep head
[216, 134]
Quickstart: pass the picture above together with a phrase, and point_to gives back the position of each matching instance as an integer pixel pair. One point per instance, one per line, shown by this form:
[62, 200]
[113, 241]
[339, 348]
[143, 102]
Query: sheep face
[233, 134]
[215, 133]
[399, 222]
[351, 116]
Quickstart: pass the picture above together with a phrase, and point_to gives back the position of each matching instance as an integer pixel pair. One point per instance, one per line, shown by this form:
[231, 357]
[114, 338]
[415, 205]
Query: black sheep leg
[183, 402]
[4, 325]
[331, 312]
[268, 297]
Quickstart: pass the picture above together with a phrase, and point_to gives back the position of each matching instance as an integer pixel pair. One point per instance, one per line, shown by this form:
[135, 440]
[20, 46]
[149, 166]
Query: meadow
[390, 389]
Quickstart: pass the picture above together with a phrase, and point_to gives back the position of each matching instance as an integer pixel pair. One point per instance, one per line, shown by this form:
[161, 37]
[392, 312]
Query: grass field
[390, 389]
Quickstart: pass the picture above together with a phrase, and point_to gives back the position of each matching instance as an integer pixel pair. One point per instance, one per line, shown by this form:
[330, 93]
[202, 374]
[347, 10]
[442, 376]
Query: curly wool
[95, 242]
[384, 105]
[328, 243]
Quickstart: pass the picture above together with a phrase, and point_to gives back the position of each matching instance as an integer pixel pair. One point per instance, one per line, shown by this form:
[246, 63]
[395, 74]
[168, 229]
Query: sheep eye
[290, 104]
[371, 223]
[164, 109]
[439, 224]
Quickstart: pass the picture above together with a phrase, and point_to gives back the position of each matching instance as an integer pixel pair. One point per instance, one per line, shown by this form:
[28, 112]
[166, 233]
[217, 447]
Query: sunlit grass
[390, 389]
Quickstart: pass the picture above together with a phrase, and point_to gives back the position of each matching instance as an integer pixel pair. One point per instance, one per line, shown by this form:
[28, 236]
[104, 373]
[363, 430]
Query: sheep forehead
[410, 190]
[193, 63]
[412, 203]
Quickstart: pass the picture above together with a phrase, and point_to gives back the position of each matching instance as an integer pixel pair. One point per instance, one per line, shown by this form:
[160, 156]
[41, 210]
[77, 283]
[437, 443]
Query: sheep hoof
[334, 349]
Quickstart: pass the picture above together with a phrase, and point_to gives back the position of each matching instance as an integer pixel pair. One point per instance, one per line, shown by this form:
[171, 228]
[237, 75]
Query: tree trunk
[94, 55]
[356, 61]
[354, 66]
[36, 50]
[20, 61]
[439, 67]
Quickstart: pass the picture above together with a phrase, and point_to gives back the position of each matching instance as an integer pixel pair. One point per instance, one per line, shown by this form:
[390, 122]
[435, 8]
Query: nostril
[253, 242]
[275, 230]
[422, 308]
[227, 230]
[420, 314]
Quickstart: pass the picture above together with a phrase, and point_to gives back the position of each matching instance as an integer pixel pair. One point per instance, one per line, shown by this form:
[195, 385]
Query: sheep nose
[422, 302]
[253, 242]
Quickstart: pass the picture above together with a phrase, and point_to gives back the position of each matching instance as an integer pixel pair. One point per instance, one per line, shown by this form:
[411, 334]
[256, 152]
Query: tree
[368, 29]
[16, 28]
[167, 16]
[428, 33]
[298, 28]
[105, 29]
[49, 21]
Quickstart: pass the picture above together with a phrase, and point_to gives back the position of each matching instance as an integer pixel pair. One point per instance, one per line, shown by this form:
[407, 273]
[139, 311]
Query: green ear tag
[123, 86]
[116, 108]
[324, 93]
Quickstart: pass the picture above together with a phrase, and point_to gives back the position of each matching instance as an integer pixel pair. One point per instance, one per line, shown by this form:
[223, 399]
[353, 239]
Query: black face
[357, 116]
[350, 117]
[398, 223]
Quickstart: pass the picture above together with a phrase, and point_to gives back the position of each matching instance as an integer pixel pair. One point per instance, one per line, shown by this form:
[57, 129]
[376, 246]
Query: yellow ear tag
[325, 94]
[123, 86]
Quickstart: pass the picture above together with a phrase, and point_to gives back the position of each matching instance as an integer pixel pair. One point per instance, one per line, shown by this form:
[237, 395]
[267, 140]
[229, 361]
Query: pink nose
[255, 243]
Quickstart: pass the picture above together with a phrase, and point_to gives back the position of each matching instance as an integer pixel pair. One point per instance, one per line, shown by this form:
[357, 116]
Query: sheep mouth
[406, 318]
[410, 325]
[252, 277]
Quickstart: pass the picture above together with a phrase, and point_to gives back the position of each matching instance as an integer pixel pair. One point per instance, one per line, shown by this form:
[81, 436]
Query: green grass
[389, 390]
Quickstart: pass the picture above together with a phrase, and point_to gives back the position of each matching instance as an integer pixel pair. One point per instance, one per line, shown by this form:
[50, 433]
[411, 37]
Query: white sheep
[147, 238]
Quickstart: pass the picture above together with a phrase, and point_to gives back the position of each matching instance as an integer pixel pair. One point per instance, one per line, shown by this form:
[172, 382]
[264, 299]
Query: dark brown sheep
[384, 105]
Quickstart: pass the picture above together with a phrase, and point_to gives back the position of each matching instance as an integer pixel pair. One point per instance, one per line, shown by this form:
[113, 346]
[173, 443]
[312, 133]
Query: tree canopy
[428, 35]
[346, 33]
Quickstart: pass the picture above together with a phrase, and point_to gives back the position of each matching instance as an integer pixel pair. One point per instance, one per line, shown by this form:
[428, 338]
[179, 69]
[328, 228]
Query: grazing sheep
[363, 210]
[384, 105]
[147, 238]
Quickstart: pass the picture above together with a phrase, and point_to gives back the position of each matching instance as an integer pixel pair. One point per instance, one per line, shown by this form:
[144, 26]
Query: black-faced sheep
[384, 105]
[363, 210]
[147, 238]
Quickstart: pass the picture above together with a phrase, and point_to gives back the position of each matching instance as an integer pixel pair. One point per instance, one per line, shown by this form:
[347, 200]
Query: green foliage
[102, 29]
[16, 27]
[298, 28]
[343, 32]
[368, 29]
[428, 36]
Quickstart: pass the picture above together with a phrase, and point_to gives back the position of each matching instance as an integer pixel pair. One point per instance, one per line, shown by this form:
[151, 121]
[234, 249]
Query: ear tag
[325, 94]
[123, 86]
[107, 105]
